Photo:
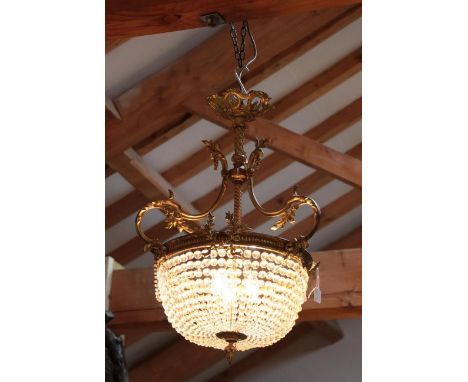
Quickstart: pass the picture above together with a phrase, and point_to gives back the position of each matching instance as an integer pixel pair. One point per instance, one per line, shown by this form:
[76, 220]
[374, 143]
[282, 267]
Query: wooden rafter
[133, 303]
[330, 213]
[150, 184]
[111, 44]
[126, 18]
[277, 161]
[301, 148]
[351, 240]
[317, 86]
[153, 105]
[306, 186]
[180, 361]
[119, 210]
[185, 120]
[146, 180]
[131, 166]
[287, 105]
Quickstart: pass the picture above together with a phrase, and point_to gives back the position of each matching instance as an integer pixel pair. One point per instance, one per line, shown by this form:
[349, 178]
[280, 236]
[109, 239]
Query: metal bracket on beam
[213, 19]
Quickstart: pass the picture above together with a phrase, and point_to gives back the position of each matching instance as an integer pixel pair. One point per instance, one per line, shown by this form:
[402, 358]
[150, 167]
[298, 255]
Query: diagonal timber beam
[351, 240]
[276, 161]
[146, 180]
[306, 186]
[154, 104]
[114, 43]
[126, 19]
[178, 362]
[330, 213]
[185, 120]
[301, 148]
[124, 207]
[286, 106]
[292, 102]
[131, 166]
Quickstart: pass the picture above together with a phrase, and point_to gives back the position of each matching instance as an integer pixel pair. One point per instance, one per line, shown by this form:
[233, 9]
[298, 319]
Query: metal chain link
[239, 51]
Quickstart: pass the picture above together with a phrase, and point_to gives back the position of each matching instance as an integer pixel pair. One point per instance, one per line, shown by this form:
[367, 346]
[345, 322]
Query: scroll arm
[288, 211]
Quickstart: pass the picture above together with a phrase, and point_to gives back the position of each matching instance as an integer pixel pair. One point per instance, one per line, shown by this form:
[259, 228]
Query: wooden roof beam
[306, 186]
[162, 135]
[351, 240]
[153, 105]
[131, 166]
[287, 105]
[330, 213]
[126, 18]
[299, 147]
[178, 362]
[146, 180]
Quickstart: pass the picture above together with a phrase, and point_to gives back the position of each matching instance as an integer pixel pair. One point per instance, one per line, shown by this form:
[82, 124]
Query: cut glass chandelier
[233, 289]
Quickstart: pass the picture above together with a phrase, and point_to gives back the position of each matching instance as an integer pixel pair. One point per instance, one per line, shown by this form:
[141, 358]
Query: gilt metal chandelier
[233, 289]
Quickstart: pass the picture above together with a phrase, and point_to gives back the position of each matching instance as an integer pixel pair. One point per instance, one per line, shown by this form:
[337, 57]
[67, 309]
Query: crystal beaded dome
[231, 289]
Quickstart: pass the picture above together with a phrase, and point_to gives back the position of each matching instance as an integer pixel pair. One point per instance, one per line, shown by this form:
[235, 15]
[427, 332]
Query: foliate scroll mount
[288, 212]
[173, 212]
[216, 155]
[256, 156]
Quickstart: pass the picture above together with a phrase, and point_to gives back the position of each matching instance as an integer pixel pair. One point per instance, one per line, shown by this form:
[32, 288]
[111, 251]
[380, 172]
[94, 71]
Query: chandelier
[233, 289]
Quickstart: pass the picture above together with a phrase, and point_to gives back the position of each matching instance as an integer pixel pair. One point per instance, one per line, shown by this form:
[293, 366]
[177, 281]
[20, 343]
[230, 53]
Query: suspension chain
[239, 51]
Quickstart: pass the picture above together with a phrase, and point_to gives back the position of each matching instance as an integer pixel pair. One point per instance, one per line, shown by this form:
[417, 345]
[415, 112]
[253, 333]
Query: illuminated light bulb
[252, 289]
[223, 287]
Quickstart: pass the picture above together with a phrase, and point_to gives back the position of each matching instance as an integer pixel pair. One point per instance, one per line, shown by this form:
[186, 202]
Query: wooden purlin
[200, 160]
[287, 105]
[301, 148]
[126, 19]
[153, 104]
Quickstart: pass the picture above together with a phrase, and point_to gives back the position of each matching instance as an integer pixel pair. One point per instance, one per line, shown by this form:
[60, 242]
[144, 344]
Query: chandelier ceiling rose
[233, 289]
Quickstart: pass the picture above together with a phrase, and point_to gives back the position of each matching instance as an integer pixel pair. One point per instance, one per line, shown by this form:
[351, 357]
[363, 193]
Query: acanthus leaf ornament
[256, 155]
[216, 155]
[288, 212]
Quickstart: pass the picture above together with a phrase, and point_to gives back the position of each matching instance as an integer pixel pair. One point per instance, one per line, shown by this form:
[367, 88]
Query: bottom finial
[231, 338]
[230, 351]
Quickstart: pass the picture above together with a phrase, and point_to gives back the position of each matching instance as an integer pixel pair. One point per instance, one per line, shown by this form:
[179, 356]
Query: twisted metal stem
[239, 156]
[237, 203]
